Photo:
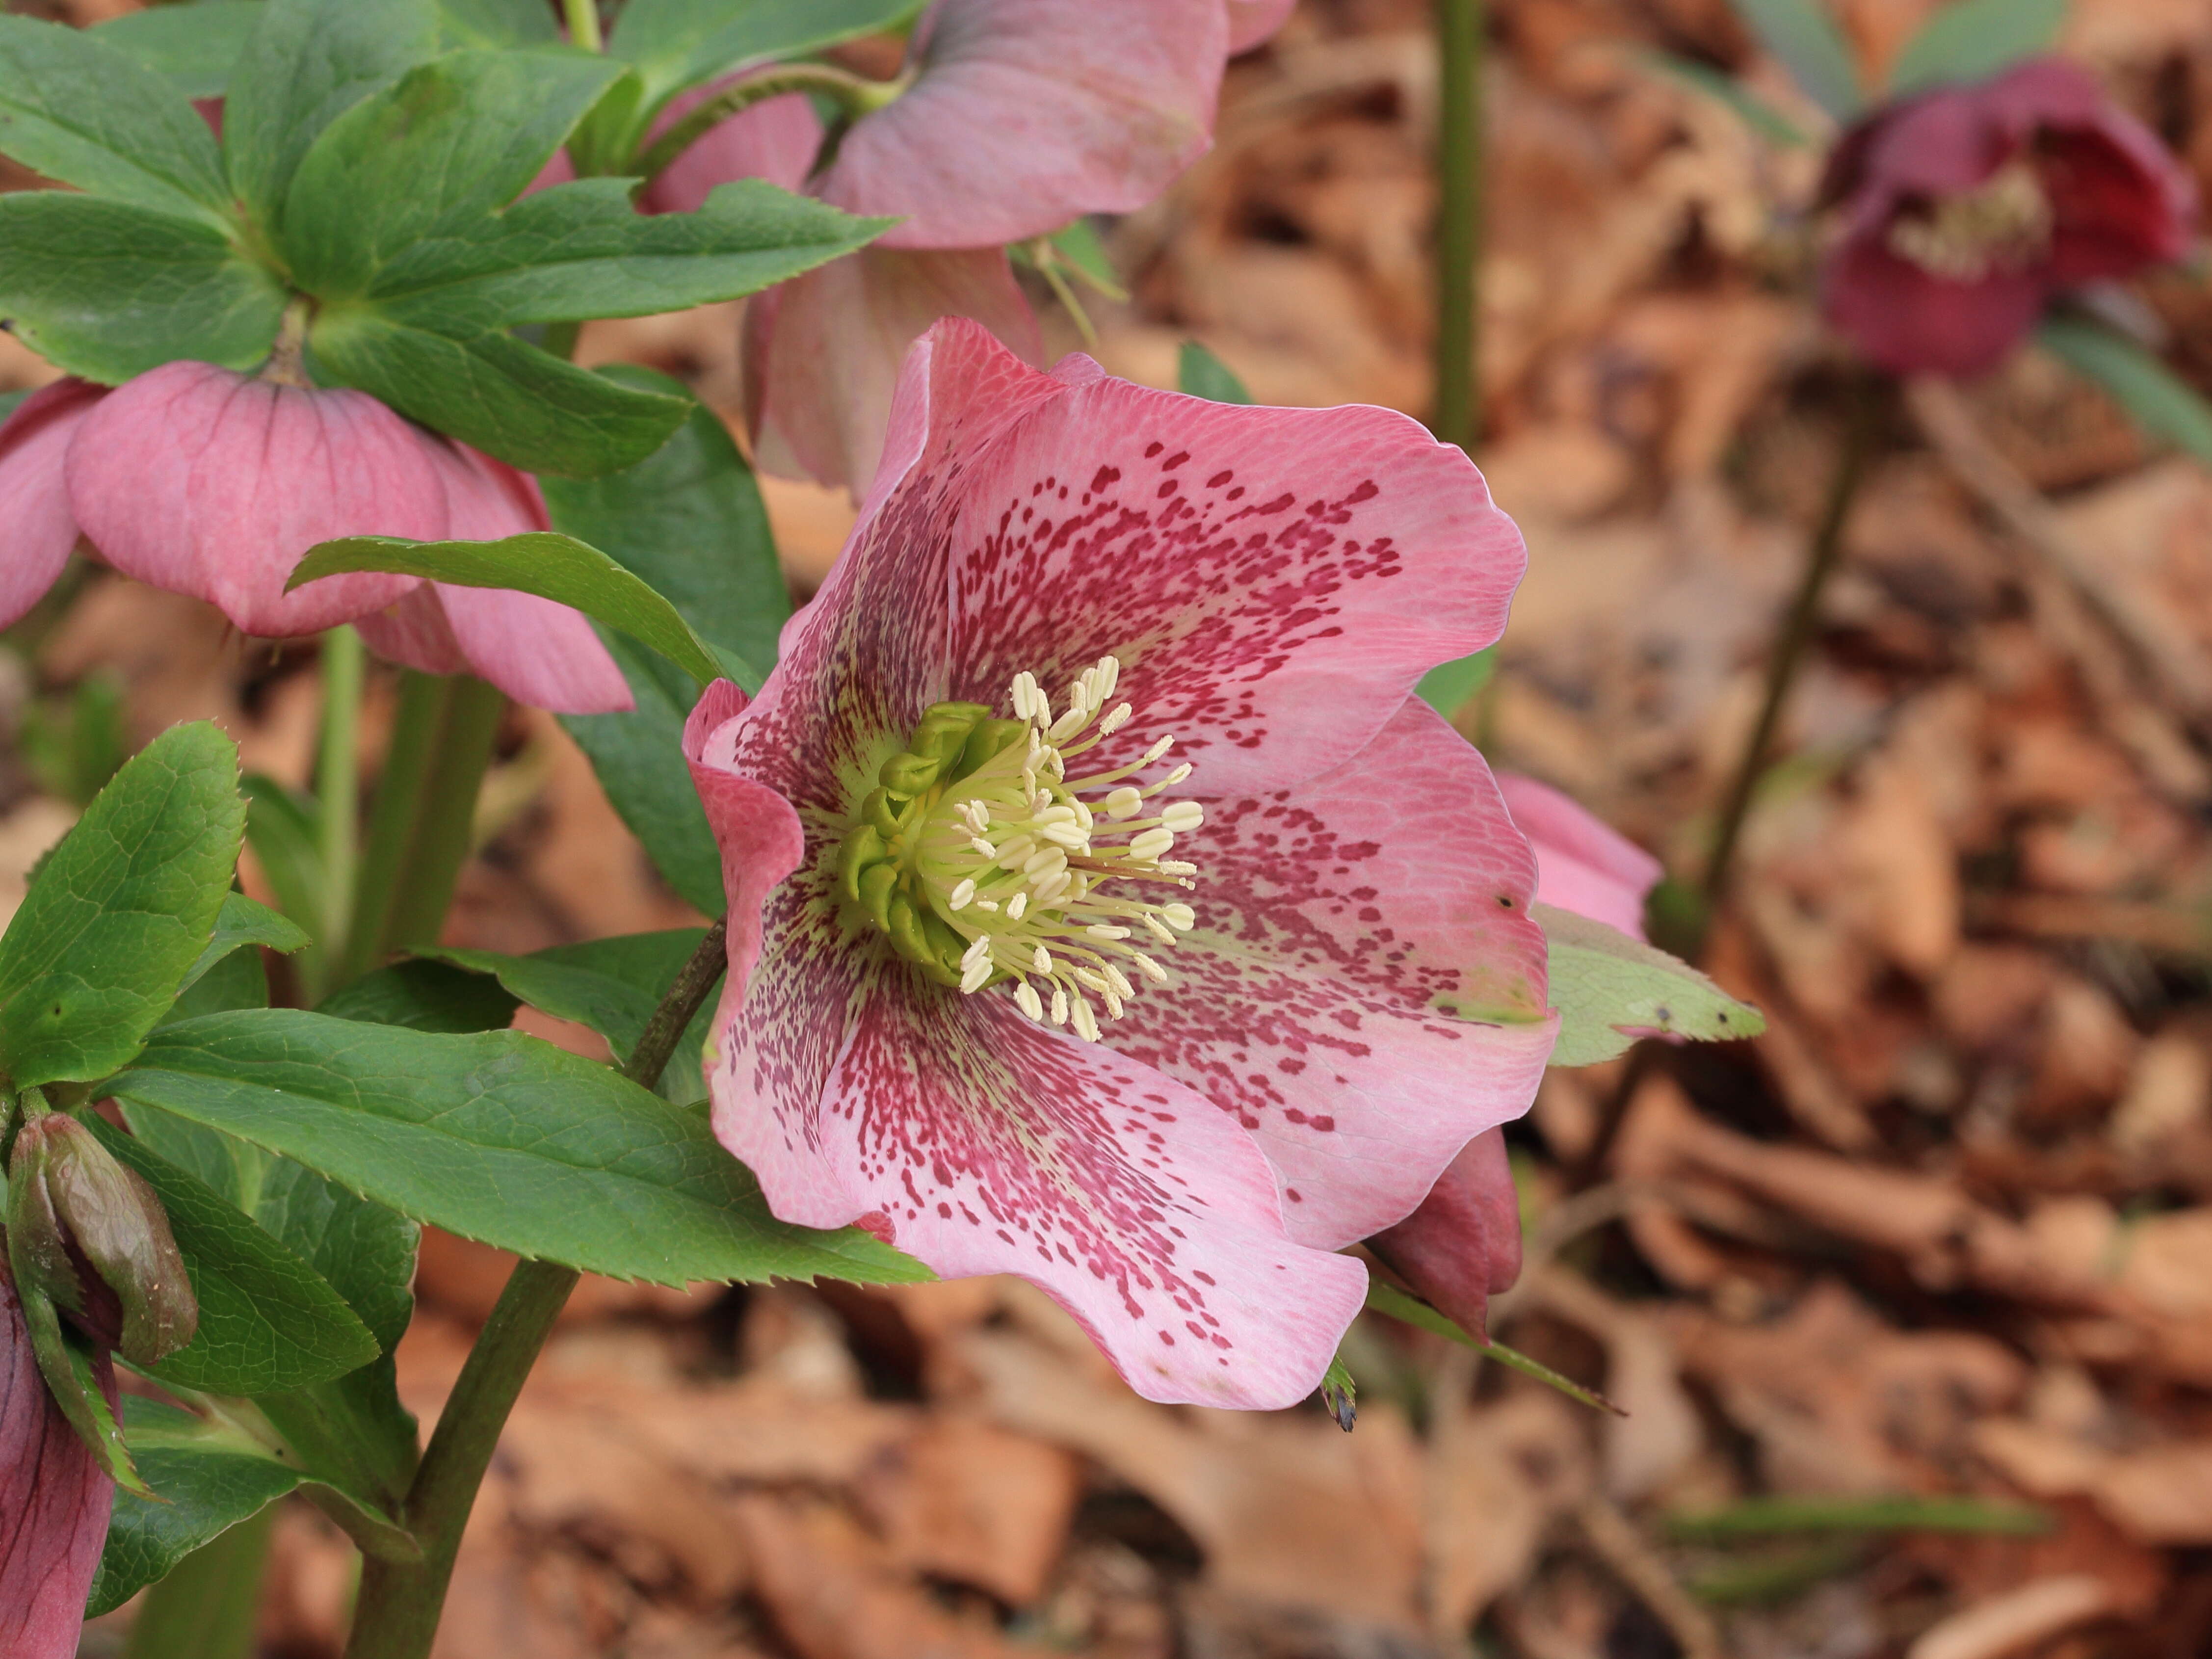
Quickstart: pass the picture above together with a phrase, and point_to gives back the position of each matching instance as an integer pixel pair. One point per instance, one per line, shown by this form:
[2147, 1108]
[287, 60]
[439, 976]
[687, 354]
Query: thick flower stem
[338, 778]
[1821, 557]
[396, 1615]
[1457, 413]
[583, 20]
[418, 832]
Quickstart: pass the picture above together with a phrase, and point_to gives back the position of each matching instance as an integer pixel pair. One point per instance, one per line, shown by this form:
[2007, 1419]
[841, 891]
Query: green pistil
[878, 865]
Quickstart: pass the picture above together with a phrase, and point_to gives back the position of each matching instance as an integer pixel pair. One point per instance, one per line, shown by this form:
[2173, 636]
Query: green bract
[1610, 989]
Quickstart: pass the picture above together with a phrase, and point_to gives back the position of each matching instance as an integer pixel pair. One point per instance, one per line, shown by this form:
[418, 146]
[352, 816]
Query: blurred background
[1910, 1302]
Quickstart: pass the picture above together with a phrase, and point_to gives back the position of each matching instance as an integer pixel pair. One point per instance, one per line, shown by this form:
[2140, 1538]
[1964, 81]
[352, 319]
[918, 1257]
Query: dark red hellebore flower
[1963, 209]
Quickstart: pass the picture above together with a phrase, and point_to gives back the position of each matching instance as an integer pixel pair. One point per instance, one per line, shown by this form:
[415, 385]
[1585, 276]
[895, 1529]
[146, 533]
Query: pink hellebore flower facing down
[54, 1501]
[1463, 1246]
[1963, 210]
[1018, 117]
[1104, 907]
[208, 482]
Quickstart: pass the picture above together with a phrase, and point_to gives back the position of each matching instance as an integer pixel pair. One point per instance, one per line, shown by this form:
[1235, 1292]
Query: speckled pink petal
[855, 669]
[776, 139]
[37, 529]
[1028, 113]
[1274, 580]
[823, 352]
[1582, 865]
[1463, 1246]
[536, 651]
[1253, 22]
[1364, 990]
[54, 1502]
[982, 1143]
[204, 482]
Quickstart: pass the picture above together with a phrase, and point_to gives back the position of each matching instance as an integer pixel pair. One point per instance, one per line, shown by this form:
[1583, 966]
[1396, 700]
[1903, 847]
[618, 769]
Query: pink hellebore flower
[54, 1501]
[212, 483]
[1963, 209]
[1463, 1246]
[1015, 989]
[1020, 116]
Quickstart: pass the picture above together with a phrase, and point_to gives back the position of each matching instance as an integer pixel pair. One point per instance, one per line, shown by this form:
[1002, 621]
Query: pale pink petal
[536, 650]
[775, 139]
[202, 481]
[1463, 1246]
[1582, 865]
[824, 350]
[54, 1502]
[1365, 989]
[1252, 22]
[1274, 580]
[1028, 113]
[982, 1143]
[37, 529]
[415, 633]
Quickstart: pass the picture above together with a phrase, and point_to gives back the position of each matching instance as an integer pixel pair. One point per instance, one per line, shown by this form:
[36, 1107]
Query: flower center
[2002, 223]
[984, 861]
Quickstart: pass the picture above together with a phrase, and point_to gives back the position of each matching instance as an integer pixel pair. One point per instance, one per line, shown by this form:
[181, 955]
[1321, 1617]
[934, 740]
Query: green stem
[337, 776]
[583, 17]
[209, 1605]
[396, 1615]
[1821, 557]
[855, 95]
[1457, 416]
[425, 808]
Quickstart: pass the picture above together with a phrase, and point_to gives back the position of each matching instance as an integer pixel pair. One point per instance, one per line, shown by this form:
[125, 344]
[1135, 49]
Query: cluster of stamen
[2002, 223]
[985, 863]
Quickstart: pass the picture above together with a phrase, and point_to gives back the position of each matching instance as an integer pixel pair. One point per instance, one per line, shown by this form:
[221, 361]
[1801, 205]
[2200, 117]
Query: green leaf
[1769, 1517]
[530, 409]
[497, 1136]
[108, 290]
[498, 23]
[2155, 398]
[432, 156]
[1610, 989]
[1973, 40]
[195, 48]
[541, 561]
[1447, 687]
[120, 911]
[688, 520]
[679, 43]
[268, 1322]
[1199, 373]
[424, 996]
[1804, 36]
[309, 63]
[238, 981]
[582, 250]
[282, 833]
[639, 759]
[205, 1481]
[611, 985]
[77, 109]
[1755, 112]
[241, 922]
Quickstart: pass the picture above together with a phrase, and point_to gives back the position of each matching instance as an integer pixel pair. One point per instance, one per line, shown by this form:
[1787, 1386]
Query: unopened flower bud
[91, 1237]
[1463, 1246]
